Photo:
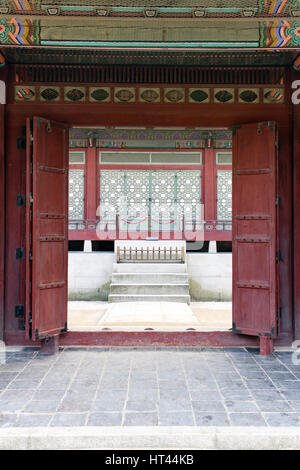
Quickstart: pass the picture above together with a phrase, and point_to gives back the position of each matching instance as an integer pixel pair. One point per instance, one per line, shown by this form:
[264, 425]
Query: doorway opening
[255, 241]
[150, 229]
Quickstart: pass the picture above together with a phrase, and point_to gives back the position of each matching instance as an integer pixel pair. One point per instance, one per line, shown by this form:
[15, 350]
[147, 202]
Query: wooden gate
[46, 228]
[255, 241]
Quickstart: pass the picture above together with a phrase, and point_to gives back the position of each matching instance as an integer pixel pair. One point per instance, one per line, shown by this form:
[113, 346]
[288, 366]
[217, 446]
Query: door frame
[121, 115]
[2, 218]
[118, 338]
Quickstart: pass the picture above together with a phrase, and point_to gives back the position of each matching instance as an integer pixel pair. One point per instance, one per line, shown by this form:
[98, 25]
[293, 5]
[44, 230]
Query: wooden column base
[51, 346]
[266, 346]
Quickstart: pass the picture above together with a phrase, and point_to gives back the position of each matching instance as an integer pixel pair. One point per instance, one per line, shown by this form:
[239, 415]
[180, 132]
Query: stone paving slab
[139, 316]
[150, 387]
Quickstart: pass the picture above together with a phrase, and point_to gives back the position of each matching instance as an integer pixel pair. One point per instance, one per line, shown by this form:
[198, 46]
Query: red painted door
[46, 228]
[255, 243]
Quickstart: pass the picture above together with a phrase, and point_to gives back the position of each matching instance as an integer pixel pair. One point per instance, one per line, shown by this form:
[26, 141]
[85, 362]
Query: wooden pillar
[2, 219]
[209, 182]
[266, 346]
[3, 75]
[91, 183]
[296, 212]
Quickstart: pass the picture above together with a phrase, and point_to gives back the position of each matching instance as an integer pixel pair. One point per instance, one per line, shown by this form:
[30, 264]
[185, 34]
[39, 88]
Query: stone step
[150, 278]
[149, 298]
[154, 268]
[140, 289]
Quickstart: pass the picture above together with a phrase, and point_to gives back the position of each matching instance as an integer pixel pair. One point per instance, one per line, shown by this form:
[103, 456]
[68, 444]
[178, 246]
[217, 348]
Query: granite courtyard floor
[97, 386]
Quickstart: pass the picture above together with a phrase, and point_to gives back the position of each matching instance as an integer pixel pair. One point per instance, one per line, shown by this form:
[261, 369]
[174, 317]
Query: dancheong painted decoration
[249, 24]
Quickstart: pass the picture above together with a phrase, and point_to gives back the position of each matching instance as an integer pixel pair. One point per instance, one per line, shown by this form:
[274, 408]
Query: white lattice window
[76, 194]
[112, 188]
[137, 189]
[224, 194]
[189, 191]
[163, 188]
[162, 194]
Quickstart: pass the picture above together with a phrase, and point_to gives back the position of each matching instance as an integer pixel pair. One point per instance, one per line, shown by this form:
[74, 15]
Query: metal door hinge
[259, 128]
[65, 329]
[30, 325]
[278, 318]
[268, 335]
[21, 200]
[20, 314]
[20, 253]
[278, 256]
[278, 201]
[21, 143]
[19, 311]
[235, 329]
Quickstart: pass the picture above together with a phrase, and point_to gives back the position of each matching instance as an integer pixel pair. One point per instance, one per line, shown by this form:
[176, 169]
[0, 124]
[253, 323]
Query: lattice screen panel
[189, 191]
[112, 188]
[76, 194]
[224, 194]
[137, 191]
[165, 195]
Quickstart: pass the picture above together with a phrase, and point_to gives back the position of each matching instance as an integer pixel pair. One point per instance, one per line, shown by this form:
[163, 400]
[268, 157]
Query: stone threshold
[149, 437]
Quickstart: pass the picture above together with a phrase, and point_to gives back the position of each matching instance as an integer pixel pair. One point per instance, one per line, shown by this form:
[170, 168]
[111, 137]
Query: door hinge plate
[21, 143]
[20, 314]
[21, 200]
[268, 335]
[278, 256]
[235, 330]
[20, 253]
[19, 311]
[278, 318]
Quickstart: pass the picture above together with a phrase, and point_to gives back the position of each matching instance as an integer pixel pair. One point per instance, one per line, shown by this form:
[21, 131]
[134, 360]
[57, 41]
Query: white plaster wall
[89, 274]
[210, 275]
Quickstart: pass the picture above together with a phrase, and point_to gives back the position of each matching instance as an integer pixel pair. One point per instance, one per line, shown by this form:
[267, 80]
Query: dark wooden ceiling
[63, 56]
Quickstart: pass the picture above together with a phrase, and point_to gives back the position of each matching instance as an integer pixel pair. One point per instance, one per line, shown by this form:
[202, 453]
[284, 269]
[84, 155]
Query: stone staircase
[149, 282]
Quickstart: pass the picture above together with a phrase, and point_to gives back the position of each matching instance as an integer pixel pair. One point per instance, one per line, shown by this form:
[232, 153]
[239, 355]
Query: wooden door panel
[256, 227]
[51, 301]
[250, 188]
[47, 228]
[254, 310]
[255, 221]
[254, 262]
